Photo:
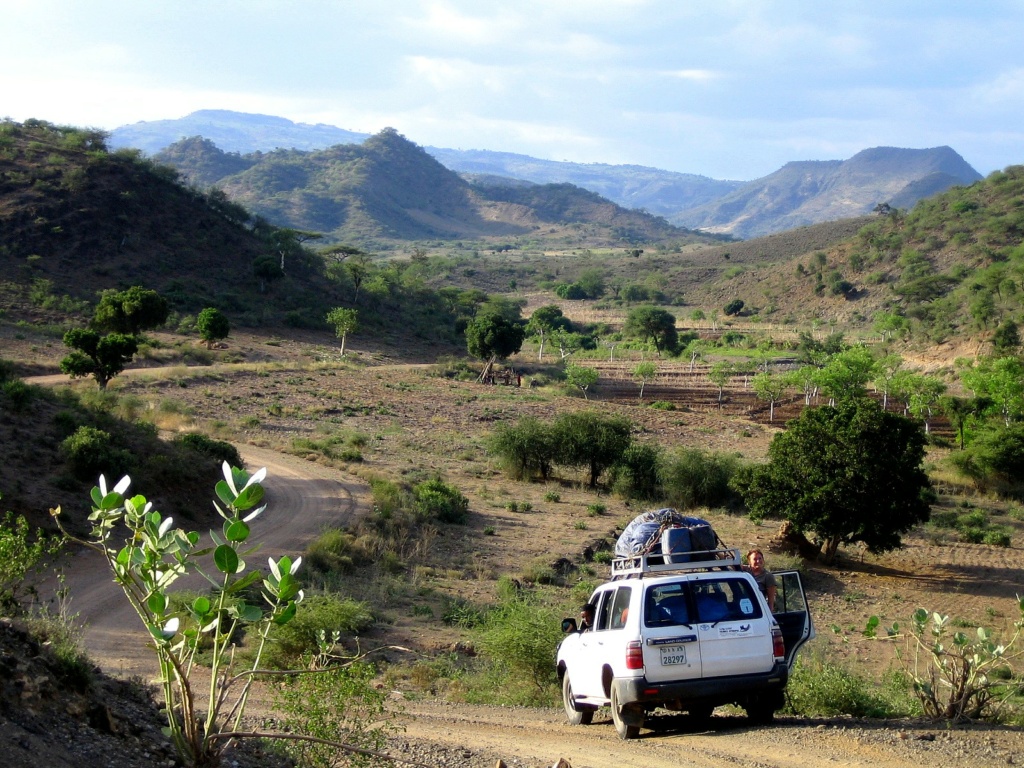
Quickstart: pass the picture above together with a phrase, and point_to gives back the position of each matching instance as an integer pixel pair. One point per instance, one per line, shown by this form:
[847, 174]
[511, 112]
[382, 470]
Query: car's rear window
[666, 605]
[708, 601]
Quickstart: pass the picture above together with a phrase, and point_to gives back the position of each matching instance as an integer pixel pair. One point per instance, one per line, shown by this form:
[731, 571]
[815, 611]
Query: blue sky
[723, 88]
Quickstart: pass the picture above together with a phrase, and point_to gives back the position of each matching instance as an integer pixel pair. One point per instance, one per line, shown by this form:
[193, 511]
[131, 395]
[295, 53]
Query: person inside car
[587, 613]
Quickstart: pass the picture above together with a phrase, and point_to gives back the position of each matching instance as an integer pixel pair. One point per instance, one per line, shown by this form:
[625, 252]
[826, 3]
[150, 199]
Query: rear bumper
[714, 691]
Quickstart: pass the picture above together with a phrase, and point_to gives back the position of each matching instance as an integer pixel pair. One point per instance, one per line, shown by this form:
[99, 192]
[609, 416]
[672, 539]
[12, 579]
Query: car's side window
[604, 611]
[666, 605]
[620, 607]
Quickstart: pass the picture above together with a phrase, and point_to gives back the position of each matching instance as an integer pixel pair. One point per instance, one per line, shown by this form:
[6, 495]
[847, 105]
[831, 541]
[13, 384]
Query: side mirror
[568, 625]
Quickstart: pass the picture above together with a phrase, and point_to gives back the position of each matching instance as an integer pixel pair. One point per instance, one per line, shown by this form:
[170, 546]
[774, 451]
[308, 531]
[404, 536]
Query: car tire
[625, 730]
[575, 715]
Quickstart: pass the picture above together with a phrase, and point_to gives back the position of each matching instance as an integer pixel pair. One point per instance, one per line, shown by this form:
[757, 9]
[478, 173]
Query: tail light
[634, 655]
[778, 645]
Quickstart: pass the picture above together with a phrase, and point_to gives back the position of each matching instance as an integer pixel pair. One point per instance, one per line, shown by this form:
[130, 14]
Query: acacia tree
[588, 439]
[213, 325]
[130, 311]
[344, 322]
[581, 377]
[653, 325]
[491, 336]
[99, 356]
[643, 373]
[769, 387]
[543, 322]
[846, 474]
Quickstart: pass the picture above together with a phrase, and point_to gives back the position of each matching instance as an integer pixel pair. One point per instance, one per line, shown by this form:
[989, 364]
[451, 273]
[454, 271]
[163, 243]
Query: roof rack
[635, 566]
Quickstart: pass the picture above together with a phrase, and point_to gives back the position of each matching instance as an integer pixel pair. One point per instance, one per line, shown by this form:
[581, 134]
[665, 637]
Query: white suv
[685, 636]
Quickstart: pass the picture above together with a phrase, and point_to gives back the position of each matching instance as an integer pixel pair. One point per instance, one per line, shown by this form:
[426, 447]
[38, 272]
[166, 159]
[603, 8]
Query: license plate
[673, 654]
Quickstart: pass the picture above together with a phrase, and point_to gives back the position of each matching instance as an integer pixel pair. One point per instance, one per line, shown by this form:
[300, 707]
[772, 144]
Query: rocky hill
[388, 188]
[809, 192]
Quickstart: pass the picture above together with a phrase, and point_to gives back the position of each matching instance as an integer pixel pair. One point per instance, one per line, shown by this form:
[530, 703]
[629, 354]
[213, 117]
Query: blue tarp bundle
[643, 534]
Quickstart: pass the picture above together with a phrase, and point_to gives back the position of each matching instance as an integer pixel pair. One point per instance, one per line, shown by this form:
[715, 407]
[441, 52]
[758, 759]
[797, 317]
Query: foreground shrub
[517, 641]
[21, 553]
[320, 615]
[340, 704]
[957, 676]
[822, 688]
[90, 451]
[437, 500]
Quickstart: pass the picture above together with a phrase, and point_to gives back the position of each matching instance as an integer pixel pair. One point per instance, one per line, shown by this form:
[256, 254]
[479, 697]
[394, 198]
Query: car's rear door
[670, 647]
[734, 625]
[792, 612]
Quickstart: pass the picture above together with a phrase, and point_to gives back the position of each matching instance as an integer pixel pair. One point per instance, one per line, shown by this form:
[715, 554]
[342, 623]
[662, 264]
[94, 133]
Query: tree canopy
[846, 474]
[653, 325]
[213, 325]
[102, 357]
[130, 311]
[492, 336]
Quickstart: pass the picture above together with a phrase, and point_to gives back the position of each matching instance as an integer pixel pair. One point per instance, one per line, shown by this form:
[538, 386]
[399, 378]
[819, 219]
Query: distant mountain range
[799, 193]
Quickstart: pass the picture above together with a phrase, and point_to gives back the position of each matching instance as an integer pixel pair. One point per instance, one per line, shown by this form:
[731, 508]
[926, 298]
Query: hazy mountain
[809, 192]
[233, 132]
[390, 188]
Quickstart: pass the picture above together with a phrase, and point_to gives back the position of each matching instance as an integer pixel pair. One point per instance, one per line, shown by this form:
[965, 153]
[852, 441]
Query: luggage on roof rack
[667, 531]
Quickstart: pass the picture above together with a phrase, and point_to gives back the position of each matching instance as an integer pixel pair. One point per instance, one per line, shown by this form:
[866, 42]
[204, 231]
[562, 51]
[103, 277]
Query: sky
[729, 89]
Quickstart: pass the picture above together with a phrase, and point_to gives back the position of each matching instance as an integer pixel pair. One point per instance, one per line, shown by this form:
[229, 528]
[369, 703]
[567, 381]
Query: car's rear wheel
[626, 724]
[576, 715]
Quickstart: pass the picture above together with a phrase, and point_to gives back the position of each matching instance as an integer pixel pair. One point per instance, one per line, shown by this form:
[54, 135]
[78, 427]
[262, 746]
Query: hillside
[390, 189]
[76, 219]
[808, 192]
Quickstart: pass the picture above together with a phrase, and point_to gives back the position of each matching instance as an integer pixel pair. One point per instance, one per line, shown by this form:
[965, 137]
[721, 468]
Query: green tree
[130, 311]
[588, 439]
[581, 377]
[491, 336]
[1001, 381]
[527, 448]
[643, 373]
[769, 387]
[653, 325]
[102, 357]
[1006, 339]
[543, 322]
[719, 375]
[846, 474]
[344, 322]
[847, 373]
[734, 307]
[213, 325]
[266, 269]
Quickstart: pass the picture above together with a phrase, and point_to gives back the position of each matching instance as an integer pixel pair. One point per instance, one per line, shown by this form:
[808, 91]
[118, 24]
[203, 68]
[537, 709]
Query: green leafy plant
[21, 553]
[337, 704]
[956, 676]
[152, 558]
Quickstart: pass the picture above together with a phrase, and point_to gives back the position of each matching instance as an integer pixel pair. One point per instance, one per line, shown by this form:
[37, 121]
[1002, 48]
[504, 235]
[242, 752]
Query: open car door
[792, 613]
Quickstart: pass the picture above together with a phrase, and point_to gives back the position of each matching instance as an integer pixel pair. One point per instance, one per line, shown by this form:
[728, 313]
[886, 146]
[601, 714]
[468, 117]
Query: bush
[325, 613]
[636, 476]
[90, 452]
[435, 499]
[692, 477]
[21, 553]
[516, 641]
[335, 551]
[340, 705]
[219, 450]
[822, 688]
